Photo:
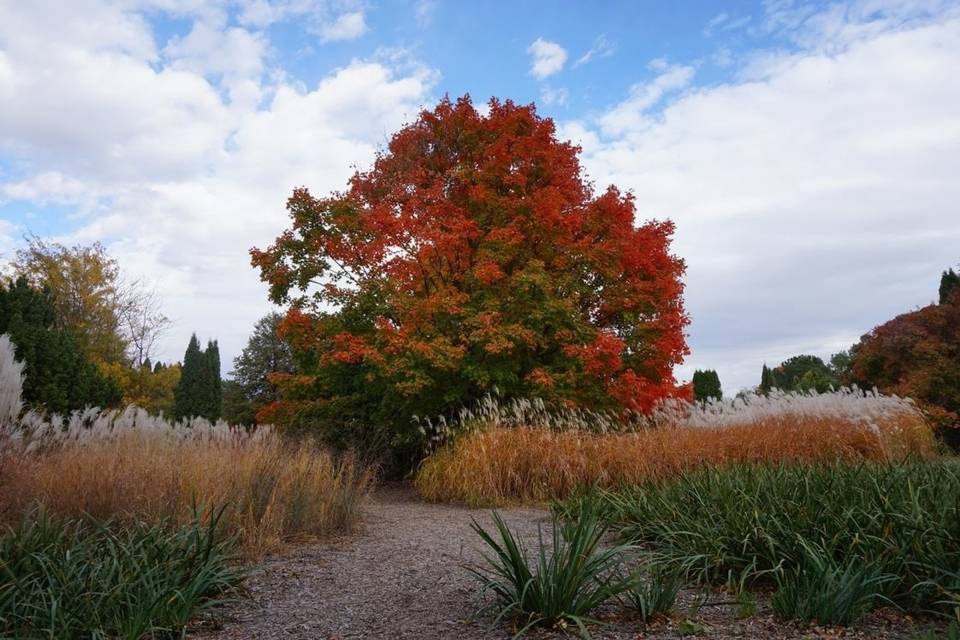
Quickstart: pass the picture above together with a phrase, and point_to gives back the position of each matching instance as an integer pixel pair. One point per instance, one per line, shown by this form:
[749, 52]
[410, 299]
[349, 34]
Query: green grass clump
[80, 579]
[745, 524]
[570, 577]
[821, 589]
[654, 594]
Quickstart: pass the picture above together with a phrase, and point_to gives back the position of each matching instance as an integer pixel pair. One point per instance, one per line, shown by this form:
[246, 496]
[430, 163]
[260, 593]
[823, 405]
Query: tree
[83, 285]
[212, 399]
[949, 282]
[150, 388]
[142, 323]
[917, 354]
[113, 320]
[252, 388]
[706, 385]
[803, 373]
[198, 392]
[58, 375]
[767, 382]
[473, 256]
[188, 397]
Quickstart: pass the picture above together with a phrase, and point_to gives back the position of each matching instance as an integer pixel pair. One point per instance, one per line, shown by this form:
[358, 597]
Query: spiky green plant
[652, 593]
[79, 579]
[822, 589]
[569, 577]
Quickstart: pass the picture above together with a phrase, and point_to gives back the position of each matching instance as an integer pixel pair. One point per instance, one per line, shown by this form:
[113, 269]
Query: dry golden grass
[523, 464]
[275, 492]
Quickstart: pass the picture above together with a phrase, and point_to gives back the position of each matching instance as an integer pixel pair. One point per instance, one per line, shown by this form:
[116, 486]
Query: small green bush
[570, 577]
[79, 579]
[821, 589]
[653, 594]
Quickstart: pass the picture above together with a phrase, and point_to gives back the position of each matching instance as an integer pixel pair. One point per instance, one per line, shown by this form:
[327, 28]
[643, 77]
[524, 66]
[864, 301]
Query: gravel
[402, 576]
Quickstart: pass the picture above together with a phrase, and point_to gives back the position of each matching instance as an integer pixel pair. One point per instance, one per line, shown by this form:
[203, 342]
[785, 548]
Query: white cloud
[551, 96]
[548, 58]
[347, 26]
[602, 48]
[813, 200]
[166, 165]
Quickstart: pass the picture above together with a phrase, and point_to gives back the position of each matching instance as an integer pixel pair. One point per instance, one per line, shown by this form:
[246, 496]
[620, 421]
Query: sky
[808, 152]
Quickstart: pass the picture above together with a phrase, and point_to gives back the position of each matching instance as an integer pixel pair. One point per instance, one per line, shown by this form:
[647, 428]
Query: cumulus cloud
[165, 164]
[813, 199]
[547, 58]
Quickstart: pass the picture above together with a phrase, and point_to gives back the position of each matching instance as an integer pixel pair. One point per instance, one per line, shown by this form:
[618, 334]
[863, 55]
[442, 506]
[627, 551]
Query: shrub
[746, 523]
[571, 576]
[491, 465]
[654, 594]
[822, 589]
[130, 467]
[77, 579]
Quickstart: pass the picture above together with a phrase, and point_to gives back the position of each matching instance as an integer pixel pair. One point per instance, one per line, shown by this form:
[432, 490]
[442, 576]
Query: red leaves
[485, 247]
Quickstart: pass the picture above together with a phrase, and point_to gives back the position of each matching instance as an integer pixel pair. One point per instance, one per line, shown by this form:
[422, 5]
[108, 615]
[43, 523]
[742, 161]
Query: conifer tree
[213, 394]
[706, 385]
[189, 393]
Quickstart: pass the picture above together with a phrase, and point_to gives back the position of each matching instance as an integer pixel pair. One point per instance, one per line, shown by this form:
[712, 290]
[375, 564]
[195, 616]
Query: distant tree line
[916, 354]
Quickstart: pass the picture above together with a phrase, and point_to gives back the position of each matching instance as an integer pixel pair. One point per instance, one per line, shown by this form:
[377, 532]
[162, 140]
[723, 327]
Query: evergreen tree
[949, 282]
[767, 381]
[213, 393]
[189, 392]
[58, 376]
[706, 385]
[198, 393]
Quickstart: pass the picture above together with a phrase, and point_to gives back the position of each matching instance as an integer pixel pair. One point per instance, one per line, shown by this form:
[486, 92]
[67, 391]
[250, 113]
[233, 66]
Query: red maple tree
[474, 254]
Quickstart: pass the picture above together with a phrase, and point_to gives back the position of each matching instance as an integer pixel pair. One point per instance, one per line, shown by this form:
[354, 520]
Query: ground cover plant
[524, 452]
[570, 575]
[834, 539]
[79, 578]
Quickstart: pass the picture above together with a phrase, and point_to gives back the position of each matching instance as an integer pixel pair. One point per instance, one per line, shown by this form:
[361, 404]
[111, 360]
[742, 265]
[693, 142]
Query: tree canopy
[473, 255]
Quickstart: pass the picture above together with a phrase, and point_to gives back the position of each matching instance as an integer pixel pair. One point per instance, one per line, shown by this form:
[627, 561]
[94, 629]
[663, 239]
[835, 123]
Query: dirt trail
[402, 576]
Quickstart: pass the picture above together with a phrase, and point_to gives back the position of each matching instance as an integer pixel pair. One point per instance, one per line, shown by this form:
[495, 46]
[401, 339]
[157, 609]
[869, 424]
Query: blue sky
[805, 150]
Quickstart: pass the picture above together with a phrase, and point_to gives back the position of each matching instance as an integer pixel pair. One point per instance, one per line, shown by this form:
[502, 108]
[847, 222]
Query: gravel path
[402, 576]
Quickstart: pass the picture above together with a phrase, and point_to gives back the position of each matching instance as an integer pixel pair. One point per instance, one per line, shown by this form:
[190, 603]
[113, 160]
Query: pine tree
[706, 385]
[949, 282]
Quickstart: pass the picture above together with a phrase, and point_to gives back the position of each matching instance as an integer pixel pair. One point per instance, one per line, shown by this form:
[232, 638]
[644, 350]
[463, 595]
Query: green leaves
[833, 536]
[571, 576]
[829, 591]
[71, 579]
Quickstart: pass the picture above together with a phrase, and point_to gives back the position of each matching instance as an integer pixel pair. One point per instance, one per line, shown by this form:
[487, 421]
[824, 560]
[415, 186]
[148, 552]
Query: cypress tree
[188, 396]
[213, 399]
[706, 385]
